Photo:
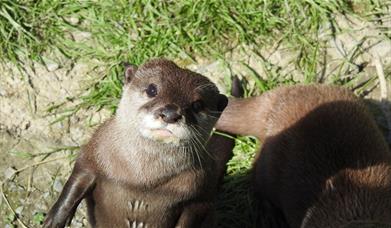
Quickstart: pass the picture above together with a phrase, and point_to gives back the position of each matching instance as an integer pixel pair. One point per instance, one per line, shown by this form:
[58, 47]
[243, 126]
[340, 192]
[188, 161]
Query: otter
[155, 163]
[323, 161]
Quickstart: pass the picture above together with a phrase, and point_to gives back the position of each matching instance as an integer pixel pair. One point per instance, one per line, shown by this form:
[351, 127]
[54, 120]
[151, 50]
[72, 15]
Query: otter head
[165, 103]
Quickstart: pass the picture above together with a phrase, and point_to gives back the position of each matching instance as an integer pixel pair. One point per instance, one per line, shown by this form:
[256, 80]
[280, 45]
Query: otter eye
[198, 106]
[151, 90]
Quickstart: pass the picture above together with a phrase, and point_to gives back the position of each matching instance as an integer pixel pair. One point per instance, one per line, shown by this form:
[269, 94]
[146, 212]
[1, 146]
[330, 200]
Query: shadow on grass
[237, 207]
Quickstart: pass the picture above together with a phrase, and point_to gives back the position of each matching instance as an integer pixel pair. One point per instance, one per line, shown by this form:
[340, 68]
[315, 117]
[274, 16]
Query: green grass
[138, 30]
[235, 203]
[135, 31]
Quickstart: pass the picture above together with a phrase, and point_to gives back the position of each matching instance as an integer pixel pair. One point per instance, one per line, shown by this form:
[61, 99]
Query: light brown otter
[323, 161]
[154, 163]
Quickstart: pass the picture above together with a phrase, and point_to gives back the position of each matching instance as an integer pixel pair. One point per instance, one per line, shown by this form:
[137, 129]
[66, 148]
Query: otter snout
[169, 113]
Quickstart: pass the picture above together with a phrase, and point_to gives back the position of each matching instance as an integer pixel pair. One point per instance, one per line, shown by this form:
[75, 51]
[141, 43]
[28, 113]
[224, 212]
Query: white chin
[160, 135]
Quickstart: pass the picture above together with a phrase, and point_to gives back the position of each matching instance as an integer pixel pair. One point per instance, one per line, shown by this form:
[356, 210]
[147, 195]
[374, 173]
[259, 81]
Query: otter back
[323, 162]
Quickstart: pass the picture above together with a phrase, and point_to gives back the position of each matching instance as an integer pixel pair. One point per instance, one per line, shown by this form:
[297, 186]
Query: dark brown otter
[154, 164]
[323, 161]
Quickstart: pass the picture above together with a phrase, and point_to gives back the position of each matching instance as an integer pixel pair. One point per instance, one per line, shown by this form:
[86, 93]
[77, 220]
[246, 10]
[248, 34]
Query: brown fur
[323, 162]
[132, 181]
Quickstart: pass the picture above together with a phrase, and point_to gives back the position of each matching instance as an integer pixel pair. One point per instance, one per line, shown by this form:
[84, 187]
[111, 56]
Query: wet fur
[323, 161]
[132, 181]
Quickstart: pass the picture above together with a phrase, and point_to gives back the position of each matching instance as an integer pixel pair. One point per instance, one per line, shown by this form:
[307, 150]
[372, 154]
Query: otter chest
[115, 205]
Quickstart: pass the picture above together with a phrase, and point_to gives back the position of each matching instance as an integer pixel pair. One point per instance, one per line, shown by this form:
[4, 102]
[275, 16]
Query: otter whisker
[197, 136]
[202, 129]
[218, 112]
[212, 117]
[196, 151]
[204, 86]
[197, 143]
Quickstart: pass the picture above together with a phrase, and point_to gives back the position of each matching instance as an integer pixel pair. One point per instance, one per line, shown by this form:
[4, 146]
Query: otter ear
[222, 102]
[130, 71]
[237, 88]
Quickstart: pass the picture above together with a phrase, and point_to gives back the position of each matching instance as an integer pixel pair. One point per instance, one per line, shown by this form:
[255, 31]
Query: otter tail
[245, 116]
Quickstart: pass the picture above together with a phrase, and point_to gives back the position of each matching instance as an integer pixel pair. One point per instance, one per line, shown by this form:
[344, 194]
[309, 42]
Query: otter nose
[169, 113]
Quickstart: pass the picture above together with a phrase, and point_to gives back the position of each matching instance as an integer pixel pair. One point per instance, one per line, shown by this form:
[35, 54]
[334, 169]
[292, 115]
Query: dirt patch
[28, 140]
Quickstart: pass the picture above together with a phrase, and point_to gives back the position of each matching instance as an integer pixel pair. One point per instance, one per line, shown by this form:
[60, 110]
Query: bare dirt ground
[36, 156]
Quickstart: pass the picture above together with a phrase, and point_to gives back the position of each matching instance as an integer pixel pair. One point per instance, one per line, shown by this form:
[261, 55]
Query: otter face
[166, 103]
